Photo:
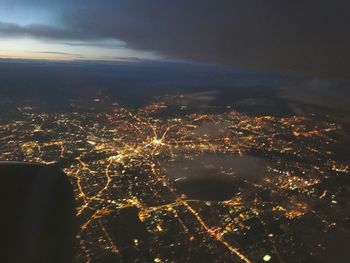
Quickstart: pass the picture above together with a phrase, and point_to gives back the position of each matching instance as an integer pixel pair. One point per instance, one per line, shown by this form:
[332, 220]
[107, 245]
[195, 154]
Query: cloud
[298, 36]
[9, 30]
[57, 53]
[215, 177]
[199, 99]
[210, 129]
[244, 168]
[318, 92]
[325, 97]
[107, 43]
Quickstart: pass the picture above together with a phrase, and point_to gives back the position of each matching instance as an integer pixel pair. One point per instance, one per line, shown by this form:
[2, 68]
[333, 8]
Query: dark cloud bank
[308, 37]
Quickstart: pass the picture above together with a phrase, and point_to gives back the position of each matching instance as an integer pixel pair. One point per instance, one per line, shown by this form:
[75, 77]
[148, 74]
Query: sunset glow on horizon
[26, 48]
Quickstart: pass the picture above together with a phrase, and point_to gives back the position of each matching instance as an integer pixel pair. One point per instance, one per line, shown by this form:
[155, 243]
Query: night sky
[304, 37]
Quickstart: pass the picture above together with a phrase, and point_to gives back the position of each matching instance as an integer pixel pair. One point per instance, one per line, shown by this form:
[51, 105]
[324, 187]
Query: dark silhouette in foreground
[37, 222]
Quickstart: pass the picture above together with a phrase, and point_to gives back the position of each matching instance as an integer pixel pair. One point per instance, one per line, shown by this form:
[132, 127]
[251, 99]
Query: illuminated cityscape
[174, 131]
[164, 183]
